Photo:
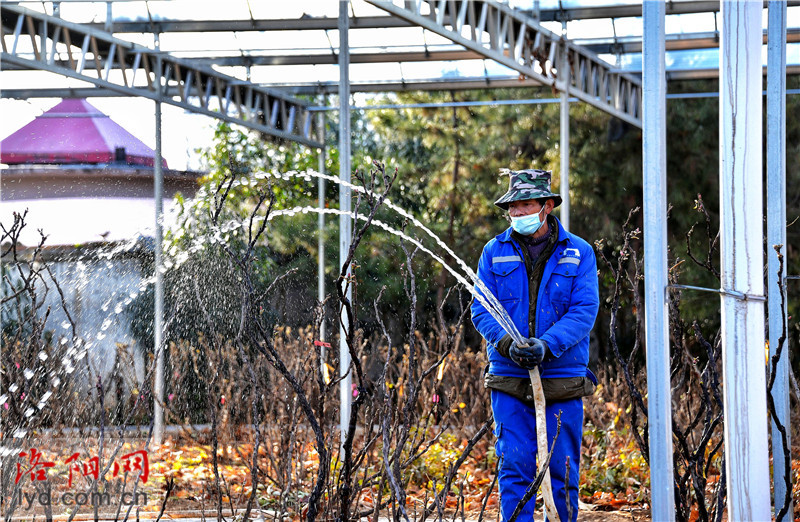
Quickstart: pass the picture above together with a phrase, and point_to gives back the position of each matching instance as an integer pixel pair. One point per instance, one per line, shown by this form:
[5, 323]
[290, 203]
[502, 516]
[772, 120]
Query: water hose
[541, 444]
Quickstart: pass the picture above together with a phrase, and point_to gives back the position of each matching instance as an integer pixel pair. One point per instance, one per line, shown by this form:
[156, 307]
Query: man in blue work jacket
[546, 279]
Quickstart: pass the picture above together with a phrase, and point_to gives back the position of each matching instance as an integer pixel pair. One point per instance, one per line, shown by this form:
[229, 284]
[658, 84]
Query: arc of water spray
[500, 315]
[388, 203]
[495, 305]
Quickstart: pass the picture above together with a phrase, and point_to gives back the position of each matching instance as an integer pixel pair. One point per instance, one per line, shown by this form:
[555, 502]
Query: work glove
[530, 354]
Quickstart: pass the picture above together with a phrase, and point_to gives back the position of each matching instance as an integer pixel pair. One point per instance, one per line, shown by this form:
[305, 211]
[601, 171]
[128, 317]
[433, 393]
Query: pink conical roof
[73, 132]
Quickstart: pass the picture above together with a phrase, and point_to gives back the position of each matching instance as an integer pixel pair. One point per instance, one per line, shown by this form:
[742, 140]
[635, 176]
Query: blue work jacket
[566, 306]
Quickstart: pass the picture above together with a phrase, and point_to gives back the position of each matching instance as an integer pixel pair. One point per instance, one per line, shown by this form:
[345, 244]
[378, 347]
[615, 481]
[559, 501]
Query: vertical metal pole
[345, 222]
[563, 72]
[742, 260]
[776, 234]
[109, 17]
[158, 322]
[654, 153]
[321, 231]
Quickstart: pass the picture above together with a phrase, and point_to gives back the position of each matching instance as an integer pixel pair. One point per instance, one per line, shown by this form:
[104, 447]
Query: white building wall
[97, 295]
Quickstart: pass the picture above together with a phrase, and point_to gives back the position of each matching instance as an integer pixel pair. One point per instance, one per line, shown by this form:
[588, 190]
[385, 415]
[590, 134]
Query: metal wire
[730, 293]
[530, 101]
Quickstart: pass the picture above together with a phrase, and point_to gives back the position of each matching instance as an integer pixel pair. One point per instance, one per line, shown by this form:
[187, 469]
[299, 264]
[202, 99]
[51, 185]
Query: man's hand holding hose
[528, 355]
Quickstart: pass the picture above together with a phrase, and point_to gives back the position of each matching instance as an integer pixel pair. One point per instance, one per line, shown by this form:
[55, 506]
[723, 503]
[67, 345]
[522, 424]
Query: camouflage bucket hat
[528, 184]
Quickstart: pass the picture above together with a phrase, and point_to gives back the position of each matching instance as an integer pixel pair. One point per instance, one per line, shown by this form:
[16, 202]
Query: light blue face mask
[527, 225]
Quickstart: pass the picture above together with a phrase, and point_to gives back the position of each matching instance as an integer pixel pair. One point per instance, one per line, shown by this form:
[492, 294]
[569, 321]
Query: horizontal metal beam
[674, 42]
[500, 33]
[381, 22]
[329, 58]
[321, 59]
[20, 94]
[287, 24]
[625, 11]
[432, 84]
[507, 82]
[705, 74]
[131, 69]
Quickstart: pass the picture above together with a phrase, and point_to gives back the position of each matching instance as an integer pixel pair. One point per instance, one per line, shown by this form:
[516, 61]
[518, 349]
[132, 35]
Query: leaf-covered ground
[614, 479]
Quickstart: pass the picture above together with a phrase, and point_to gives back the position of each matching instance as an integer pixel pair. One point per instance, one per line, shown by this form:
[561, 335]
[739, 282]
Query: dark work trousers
[515, 430]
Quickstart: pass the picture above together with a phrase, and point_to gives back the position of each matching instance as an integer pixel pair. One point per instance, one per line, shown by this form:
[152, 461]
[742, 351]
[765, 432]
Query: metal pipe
[321, 236]
[654, 159]
[742, 261]
[99, 92]
[563, 73]
[776, 235]
[345, 223]
[443, 105]
[109, 24]
[655, 245]
[158, 320]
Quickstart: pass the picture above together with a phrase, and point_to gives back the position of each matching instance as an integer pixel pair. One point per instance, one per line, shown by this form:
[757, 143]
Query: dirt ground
[639, 515]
